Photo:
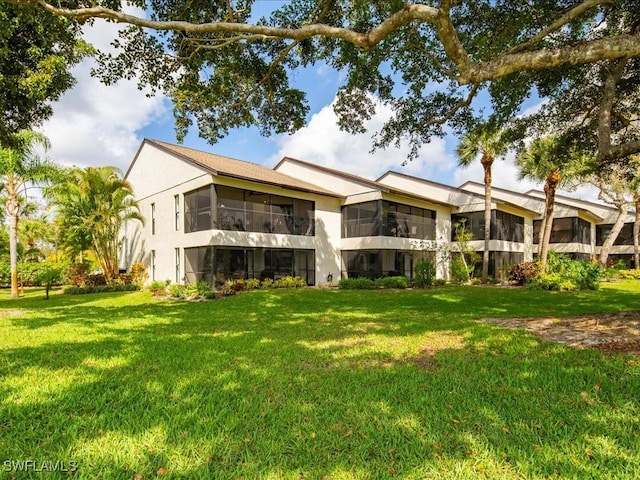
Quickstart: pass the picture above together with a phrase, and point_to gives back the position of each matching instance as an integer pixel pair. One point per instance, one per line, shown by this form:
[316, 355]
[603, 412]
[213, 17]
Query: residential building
[215, 218]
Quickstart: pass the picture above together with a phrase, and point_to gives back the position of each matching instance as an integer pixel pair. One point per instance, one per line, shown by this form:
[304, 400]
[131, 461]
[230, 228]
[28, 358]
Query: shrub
[392, 282]
[424, 274]
[138, 273]
[123, 279]
[630, 274]
[523, 273]
[439, 282]
[77, 274]
[225, 290]
[552, 281]
[158, 288]
[565, 274]
[200, 288]
[235, 285]
[267, 283]
[100, 289]
[252, 284]
[192, 291]
[50, 275]
[359, 283]
[459, 271]
[290, 282]
[29, 273]
[610, 273]
[177, 290]
[96, 280]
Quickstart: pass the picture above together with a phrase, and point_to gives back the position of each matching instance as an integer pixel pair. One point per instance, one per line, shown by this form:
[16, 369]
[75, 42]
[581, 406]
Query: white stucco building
[213, 218]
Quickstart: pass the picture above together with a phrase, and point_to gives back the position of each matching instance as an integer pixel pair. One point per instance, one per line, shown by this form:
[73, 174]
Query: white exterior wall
[156, 177]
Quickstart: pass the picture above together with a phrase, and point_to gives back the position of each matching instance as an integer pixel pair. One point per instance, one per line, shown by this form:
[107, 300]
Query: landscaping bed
[618, 332]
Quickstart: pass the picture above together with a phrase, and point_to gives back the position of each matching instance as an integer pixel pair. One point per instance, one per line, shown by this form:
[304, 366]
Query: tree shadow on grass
[266, 386]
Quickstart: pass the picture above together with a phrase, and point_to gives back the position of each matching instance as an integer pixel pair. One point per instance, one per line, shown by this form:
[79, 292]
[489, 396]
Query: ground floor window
[378, 263]
[615, 258]
[501, 262]
[219, 264]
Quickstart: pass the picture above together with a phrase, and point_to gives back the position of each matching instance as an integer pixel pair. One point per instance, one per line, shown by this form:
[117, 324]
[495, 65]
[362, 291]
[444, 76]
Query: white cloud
[322, 142]
[94, 124]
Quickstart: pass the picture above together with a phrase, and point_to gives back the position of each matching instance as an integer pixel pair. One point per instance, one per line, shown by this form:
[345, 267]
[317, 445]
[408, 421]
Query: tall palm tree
[21, 166]
[487, 143]
[546, 160]
[93, 204]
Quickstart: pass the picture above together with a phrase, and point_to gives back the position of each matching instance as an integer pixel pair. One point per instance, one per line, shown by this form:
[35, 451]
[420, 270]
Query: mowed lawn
[314, 384]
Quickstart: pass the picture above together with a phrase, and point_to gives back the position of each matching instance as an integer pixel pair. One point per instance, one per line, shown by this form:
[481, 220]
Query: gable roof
[539, 193]
[222, 166]
[349, 176]
[458, 190]
[373, 184]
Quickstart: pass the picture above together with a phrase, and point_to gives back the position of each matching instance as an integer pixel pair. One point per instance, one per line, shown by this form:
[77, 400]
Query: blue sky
[95, 124]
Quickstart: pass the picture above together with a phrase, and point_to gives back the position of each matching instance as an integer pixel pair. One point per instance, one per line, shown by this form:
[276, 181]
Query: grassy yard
[314, 384]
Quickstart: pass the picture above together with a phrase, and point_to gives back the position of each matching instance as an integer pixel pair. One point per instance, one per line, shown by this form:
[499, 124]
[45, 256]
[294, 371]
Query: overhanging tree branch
[501, 65]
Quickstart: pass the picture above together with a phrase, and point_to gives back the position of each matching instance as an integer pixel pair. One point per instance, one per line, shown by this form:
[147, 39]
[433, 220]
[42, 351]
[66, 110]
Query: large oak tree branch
[565, 19]
[611, 48]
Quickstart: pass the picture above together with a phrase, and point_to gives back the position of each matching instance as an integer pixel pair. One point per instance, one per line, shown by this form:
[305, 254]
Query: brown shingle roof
[230, 167]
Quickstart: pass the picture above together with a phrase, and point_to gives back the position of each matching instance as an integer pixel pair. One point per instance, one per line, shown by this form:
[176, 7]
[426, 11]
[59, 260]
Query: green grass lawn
[314, 384]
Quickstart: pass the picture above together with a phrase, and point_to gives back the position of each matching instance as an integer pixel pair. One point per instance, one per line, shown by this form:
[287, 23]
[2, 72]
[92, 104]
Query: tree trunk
[12, 207]
[550, 187]
[636, 233]
[13, 250]
[487, 161]
[543, 226]
[613, 234]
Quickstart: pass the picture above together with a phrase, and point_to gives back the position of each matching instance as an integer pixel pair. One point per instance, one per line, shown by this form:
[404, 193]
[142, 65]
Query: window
[177, 255]
[361, 220]
[251, 211]
[565, 230]
[198, 264]
[176, 211]
[197, 210]
[406, 221]
[504, 226]
[217, 265]
[153, 265]
[625, 237]
[473, 222]
[507, 227]
[153, 219]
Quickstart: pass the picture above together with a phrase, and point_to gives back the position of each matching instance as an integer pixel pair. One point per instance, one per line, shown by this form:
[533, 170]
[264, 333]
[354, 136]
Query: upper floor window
[400, 220]
[625, 237]
[153, 219]
[361, 220]
[504, 226]
[198, 210]
[176, 211]
[389, 219]
[253, 211]
[247, 211]
[565, 230]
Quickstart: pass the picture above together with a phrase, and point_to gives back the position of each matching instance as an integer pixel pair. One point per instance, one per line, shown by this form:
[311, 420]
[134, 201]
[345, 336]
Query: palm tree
[92, 205]
[487, 142]
[21, 166]
[546, 160]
